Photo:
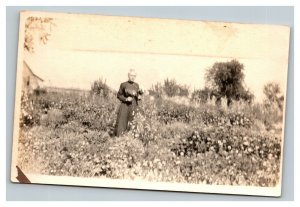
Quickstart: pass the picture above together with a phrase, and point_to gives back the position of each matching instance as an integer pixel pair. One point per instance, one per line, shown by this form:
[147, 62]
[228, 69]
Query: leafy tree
[226, 79]
[37, 27]
[273, 95]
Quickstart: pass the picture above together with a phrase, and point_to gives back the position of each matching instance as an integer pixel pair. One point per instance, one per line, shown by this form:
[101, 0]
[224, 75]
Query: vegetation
[71, 134]
[273, 96]
[201, 95]
[226, 79]
[170, 88]
[237, 143]
[99, 87]
[40, 26]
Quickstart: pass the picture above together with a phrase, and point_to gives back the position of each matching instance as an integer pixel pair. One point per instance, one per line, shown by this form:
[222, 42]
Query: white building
[30, 80]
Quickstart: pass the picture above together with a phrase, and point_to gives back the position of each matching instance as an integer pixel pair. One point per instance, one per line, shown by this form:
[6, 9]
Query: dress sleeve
[120, 94]
[137, 88]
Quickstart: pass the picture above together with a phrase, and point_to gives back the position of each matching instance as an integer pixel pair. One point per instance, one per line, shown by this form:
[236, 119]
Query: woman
[129, 94]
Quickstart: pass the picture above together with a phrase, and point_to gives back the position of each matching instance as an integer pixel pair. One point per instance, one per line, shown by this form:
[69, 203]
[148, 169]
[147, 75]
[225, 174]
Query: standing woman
[129, 94]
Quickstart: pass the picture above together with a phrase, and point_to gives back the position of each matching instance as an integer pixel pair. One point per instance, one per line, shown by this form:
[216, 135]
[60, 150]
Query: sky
[84, 48]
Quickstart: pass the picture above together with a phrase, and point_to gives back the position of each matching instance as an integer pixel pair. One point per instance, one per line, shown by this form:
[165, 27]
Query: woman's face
[131, 76]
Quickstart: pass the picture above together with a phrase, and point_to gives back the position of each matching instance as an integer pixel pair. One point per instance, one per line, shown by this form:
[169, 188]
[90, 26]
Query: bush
[171, 88]
[170, 113]
[53, 118]
[235, 151]
[174, 131]
[39, 91]
[99, 87]
[122, 154]
[273, 96]
[143, 128]
[201, 96]
[156, 90]
[28, 116]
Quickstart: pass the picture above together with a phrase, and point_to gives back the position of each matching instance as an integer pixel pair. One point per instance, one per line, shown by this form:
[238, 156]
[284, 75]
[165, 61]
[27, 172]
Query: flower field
[71, 134]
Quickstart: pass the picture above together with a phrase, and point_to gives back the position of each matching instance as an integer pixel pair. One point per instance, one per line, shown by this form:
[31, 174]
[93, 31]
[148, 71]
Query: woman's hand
[141, 92]
[129, 99]
[130, 92]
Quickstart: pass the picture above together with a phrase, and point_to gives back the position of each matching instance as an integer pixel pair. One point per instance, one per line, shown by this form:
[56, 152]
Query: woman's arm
[120, 94]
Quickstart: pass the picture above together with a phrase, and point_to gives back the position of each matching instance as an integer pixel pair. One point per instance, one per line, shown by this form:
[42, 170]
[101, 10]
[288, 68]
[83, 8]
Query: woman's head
[131, 75]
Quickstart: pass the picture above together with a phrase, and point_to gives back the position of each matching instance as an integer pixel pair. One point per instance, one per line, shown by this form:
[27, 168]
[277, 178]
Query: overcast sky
[83, 48]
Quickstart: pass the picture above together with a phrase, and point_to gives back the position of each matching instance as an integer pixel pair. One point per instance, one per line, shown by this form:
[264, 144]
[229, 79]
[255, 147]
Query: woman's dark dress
[125, 113]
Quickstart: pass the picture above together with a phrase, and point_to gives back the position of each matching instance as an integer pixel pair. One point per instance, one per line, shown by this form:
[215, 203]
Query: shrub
[143, 128]
[99, 87]
[201, 96]
[39, 91]
[273, 96]
[28, 116]
[122, 154]
[172, 88]
[183, 91]
[53, 118]
[234, 152]
[156, 90]
[169, 88]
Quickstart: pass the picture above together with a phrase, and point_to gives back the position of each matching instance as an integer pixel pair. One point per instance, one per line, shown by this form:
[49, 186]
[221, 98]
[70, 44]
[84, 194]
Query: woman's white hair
[132, 71]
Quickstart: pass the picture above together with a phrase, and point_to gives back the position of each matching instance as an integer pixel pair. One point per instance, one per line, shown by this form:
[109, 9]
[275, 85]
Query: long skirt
[125, 115]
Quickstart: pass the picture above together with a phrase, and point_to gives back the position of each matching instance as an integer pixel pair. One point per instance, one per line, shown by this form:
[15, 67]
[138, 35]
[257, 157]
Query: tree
[37, 27]
[226, 79]
[273, 95]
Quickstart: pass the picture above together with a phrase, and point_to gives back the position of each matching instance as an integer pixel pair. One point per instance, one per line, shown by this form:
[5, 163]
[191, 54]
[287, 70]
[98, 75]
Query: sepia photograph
[150, 103]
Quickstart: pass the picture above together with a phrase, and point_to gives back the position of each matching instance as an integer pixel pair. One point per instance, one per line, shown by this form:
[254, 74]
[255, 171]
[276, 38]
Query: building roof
[24, 62]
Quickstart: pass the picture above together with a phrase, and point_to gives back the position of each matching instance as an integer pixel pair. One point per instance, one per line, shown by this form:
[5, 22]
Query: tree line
[222, 80]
